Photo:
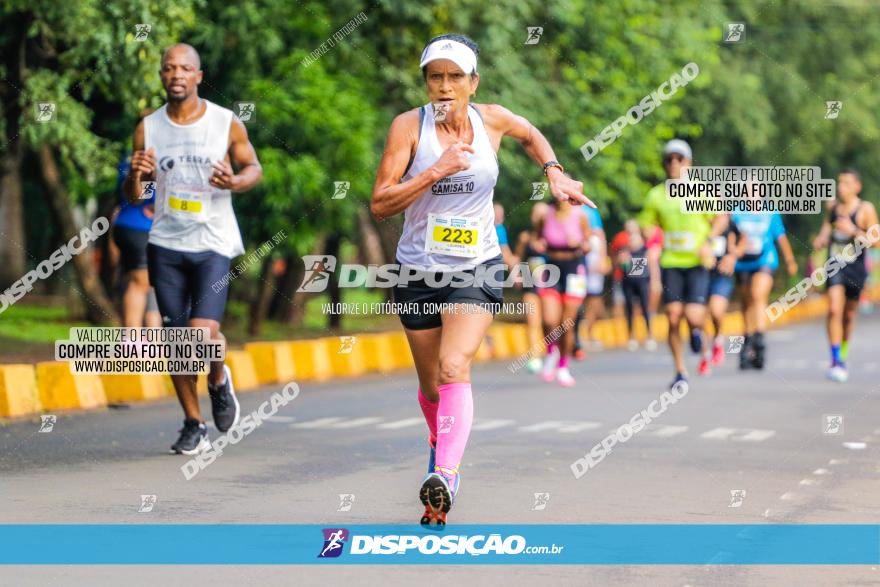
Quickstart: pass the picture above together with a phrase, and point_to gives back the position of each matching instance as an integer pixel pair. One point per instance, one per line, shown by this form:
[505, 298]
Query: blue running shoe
[696, 340]
[432, 456]
[679, 378]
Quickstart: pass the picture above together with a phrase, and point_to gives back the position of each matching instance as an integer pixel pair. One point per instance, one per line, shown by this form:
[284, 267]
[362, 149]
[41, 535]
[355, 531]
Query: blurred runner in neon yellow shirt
[686, 258]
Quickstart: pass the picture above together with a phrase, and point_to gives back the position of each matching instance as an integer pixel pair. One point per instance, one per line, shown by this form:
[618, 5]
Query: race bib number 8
[192, 206]
[452, 235]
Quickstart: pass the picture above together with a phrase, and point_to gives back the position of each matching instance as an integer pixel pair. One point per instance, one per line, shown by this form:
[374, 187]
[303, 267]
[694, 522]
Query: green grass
[36, 324]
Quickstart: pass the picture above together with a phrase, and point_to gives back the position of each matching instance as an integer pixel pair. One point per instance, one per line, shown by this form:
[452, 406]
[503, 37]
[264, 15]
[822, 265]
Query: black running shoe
[759, 347]
[193, 438]
[437, 498]
[745, 353]
[224, 404]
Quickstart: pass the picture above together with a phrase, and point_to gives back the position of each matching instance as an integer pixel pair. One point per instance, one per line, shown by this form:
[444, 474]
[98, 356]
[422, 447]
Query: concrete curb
[50, 386]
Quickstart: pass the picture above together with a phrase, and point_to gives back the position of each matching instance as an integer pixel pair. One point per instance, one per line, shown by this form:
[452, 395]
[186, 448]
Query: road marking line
[319, 423]
[401, 423]
[280, 419]
[745, 434]
[492, 424]
[821, 472]
[549, 425]
[808, 482]
[357, 422]
[837, 462]
[579, 426]
[787, 496]
[667, 431]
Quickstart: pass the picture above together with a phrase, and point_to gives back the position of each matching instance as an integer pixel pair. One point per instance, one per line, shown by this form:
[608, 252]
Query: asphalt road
[763, 435]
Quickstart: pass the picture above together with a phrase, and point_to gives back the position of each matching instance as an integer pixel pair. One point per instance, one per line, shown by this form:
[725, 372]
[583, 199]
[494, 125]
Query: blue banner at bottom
[631, 544]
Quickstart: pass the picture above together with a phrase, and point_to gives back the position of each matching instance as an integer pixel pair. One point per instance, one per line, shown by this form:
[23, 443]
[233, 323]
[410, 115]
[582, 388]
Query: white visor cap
[458, 53]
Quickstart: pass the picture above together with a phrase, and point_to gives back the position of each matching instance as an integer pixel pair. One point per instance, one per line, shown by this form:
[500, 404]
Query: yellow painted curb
[517, 338]
[135, 387]
[498, 343]
[62, 390]
[377, 352]
[346, 360]
[244, 376]
[403, 358]
[311, 360]
[18, 390]
[484, 353]
[273, 361]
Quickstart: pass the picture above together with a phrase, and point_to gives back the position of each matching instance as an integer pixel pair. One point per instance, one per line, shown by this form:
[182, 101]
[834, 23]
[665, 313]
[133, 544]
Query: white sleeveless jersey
[191, 215]
[451, 225]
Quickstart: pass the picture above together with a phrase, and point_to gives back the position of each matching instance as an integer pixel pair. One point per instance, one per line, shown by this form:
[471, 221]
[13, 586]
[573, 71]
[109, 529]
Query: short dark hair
[851, 171]
[463, 39]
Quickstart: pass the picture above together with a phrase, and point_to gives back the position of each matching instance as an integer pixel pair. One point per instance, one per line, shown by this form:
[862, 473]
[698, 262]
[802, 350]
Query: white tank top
[191, 215]
[451, 225]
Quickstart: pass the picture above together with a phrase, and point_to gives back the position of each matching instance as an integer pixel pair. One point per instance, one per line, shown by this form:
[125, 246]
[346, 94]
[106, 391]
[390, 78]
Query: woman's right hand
[539, 245]
[454, 159]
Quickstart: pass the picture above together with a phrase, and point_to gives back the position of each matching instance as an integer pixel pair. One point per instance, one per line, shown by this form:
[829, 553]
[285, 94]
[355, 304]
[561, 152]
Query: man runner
[686, 253]
[849, 218]
[186, 146]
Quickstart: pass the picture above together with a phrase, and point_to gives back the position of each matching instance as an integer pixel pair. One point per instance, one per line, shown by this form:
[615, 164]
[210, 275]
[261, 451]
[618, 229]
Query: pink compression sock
[429, 409]
[551, 346]
[563, 362]
[454, 419]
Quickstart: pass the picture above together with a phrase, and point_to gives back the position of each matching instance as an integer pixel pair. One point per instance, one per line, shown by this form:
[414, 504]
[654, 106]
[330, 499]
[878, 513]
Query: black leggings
[632, 289]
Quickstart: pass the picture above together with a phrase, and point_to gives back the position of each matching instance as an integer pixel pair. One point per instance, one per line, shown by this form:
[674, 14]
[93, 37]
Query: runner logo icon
[638, 266]
[735, 344]
[735, 32]
[334, 540]
[47, 423]
[445, 424]
[534, 35]
[539, 190]
[318, 270]
[832, 109]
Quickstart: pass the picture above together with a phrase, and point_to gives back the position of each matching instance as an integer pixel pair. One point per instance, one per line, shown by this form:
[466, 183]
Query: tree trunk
[13, 256]
[389, 234]
[334, 320]
[297, 304]
[12, 236]
[260, 304]
[99, 309]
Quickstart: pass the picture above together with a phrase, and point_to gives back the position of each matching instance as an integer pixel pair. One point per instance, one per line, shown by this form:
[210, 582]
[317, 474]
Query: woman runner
[439, 167]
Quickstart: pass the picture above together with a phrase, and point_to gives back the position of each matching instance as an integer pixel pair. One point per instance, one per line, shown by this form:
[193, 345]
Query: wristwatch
[553, 163]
